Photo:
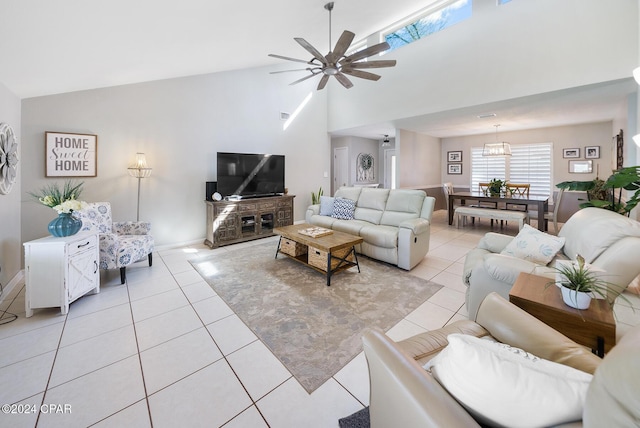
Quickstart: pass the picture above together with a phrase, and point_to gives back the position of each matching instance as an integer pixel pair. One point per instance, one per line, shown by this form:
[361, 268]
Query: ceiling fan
[335, 63]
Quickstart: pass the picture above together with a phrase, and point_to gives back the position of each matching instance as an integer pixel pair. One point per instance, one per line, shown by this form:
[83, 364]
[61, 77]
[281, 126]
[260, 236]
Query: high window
[428, 24]
[528, 163]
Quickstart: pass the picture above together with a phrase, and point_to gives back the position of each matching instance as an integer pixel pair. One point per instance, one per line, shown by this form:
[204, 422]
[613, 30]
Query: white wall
[180, 124]
[502, 52]
[10, 243]
[563, 137]
[418, 160]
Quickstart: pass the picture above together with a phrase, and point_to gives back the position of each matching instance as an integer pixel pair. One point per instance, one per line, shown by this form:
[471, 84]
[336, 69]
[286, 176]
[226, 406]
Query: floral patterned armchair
[121, 243]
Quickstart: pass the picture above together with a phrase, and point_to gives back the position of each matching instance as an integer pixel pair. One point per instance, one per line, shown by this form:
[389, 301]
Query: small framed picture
[592, 152]
[581, 167]
[454, 168]
[454, 156]
[571, 153]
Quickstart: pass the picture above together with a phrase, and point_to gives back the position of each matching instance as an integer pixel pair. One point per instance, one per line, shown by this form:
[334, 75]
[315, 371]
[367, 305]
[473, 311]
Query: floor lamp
[139, 170]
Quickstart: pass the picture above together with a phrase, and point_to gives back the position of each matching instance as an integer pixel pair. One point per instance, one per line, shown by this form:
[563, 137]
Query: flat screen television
[250, 175]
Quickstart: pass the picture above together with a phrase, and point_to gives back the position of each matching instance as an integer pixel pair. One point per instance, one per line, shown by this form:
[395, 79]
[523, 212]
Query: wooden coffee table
[594, 327]
[327, 254]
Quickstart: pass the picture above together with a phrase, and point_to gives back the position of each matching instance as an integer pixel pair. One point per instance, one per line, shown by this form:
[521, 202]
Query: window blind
[529, 163]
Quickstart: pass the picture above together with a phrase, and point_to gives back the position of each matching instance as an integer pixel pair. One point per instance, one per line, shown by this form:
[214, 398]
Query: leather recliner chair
[404, 394]
[607, 240]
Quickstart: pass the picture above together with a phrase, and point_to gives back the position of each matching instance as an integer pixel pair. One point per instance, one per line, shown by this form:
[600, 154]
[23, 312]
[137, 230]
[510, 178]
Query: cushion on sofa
[402, 205]
[535, 246]
[352, 193]
[326, 205]
[380, 236]
[505, 386]
[351, 227]
[604, 230]
[343, 208]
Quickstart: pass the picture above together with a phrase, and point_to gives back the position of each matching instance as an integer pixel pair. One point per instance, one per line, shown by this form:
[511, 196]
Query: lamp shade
[636, 139]
[139, 168]
[496, 149]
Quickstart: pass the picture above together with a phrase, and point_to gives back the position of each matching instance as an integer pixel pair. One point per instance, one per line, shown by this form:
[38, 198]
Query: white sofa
[607, 240]
[395, 224]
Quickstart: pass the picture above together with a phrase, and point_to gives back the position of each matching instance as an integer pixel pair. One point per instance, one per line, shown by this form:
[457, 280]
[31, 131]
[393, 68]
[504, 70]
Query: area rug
[314, 330]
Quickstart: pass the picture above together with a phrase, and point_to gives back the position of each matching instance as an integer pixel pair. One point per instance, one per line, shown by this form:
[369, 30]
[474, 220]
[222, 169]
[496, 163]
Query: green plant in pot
[496, 186]
[315, 197]
[579, 284]
[608, 194]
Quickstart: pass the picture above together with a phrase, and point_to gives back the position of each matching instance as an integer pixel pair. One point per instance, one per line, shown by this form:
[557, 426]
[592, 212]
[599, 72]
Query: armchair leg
[150, 259]
[123, 275]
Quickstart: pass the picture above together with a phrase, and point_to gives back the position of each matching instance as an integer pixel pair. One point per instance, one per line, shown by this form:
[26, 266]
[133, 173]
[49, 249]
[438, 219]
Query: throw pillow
[326, 205]
[343, 208]
[506, 386]
[535, 246]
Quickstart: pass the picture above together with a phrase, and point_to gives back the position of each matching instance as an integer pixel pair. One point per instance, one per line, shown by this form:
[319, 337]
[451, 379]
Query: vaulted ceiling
[58, 46]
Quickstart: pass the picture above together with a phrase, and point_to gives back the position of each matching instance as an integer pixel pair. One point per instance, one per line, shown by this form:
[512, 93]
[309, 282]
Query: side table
[594, 327]
[59, 271]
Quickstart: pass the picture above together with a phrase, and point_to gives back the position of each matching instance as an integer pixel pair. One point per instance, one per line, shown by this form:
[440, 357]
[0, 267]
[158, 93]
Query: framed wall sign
[71, 155]
[571, 153]
[454, 168]
[454, 156]
[592, 152]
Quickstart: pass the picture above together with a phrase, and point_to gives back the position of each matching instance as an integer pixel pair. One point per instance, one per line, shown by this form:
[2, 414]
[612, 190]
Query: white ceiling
[58, 46]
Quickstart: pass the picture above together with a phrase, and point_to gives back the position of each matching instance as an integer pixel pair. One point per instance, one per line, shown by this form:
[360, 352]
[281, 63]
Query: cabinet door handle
[84, 245]
[95, 263]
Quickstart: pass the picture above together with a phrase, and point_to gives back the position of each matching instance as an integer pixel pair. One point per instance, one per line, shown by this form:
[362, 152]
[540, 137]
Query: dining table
[540, 202]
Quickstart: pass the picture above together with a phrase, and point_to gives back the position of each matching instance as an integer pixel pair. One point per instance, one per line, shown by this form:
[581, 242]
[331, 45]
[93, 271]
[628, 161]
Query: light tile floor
[165, 350]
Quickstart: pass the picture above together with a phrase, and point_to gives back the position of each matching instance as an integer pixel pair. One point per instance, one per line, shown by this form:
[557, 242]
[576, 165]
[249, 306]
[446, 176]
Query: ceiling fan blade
[367, 52]
[360, 74]
[343, 80]
[291, 59]
[302, 80]
[343, 44]
[373, 64]
[313, 51]
[323, 82]
[289, 71]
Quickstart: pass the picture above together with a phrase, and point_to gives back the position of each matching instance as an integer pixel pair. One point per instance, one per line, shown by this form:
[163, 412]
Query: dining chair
[448, 190]
[553, 215]
[520, 190]
[484, 189]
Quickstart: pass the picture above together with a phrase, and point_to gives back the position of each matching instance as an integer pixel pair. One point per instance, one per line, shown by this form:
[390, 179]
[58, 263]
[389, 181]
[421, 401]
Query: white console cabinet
[60, 270]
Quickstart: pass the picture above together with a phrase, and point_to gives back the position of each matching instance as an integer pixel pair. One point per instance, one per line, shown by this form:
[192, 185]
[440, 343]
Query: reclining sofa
[395, 224]
[607, 240]
[404, 394]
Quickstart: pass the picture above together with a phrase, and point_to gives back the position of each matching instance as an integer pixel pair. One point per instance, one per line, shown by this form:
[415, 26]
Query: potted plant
[608, 194]
[315, 197]
[496, 186]
[579, 284]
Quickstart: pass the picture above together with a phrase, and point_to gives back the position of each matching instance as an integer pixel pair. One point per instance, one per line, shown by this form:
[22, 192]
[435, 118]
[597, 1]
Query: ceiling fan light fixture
[336, 63]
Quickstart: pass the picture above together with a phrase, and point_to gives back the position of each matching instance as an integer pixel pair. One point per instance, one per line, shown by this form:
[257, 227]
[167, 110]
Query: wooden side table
[594, 327]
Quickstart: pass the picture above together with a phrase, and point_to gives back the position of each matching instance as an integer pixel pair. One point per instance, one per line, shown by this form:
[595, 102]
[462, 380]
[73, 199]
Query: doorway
[340, 167]
[390, 169]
